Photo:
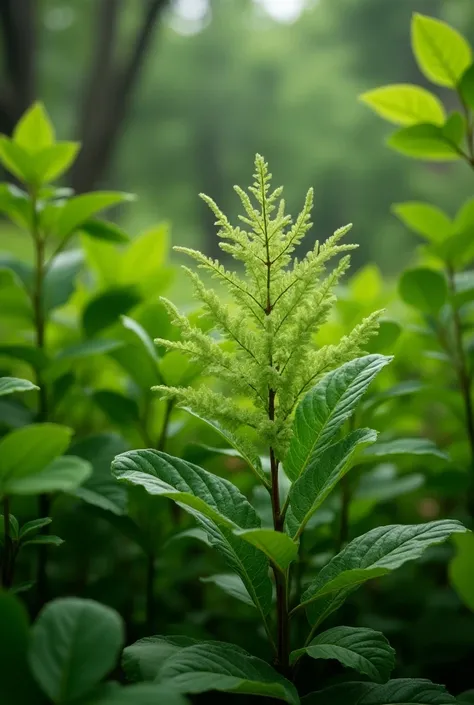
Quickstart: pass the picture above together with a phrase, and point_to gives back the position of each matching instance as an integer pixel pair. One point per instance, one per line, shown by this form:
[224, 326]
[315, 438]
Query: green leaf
[144, 259]
[29, 450]
[121, 409]
[34, 131]
[9, 385]
[142, 660]
[80, 209]
[59, 282]
[326, 407]
[14, 528]
[424, 289]
[142, 336]
[141, 694]
[442, 53]
[17, 161]
[89, 348]
[461, 568]
[371, 555]
[63, 474]
[224, 667]
[16, 204]
[466, 86]
[232, 585]
[104, 230]
[383, 484]
[424, 219]
[401, 446]
[32, 527]
[74, 644]
[279, 548]
[401, 691]
[320, 477]
[17, 686]
[216, 503]
[105, 309]
[362, 649]
[33, 356]
[47, 540]
[425, 141]
[52, 162]
[405, 104]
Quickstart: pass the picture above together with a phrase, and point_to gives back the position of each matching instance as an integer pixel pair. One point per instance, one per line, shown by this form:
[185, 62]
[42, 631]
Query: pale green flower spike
[272, 359]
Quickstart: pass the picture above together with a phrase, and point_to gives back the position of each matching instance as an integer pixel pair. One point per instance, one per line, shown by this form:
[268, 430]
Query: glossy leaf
[364, 650]
[74, 644]
[424, 219]
[224, 667]
[10, 385]
[277, 546]
[216, 503]
[401, 691]
[324, 410]
[405, 104]
[442, 53]
[424, 289]
[372, 555]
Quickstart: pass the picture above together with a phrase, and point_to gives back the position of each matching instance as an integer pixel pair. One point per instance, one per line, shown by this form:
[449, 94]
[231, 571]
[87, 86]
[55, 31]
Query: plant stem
[150, 594]
[7, 566]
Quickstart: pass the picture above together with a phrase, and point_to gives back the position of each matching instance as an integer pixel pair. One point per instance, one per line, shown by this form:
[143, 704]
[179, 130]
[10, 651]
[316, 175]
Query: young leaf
[324, 410]
[362, 649]
[34, 131]
[47, 540]
[232, 585]
[80, 209]
[63, 474]
[32, 527]
[74, 644]
[424, 141]
[424, 219]
[320, 477]
[442, 53]
[9, 385]
[216, 503]
[401, 691]
[52, 162]
[28, 450]
[224, 667]
[372, 555]
[461, 568]
[424, 289]
[279, 548]
[17, 161]
[401, 446]
[405, 104]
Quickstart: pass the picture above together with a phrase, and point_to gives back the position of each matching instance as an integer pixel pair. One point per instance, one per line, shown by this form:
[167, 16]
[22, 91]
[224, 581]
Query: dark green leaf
[424, 289]
[104, 230]
[401, 691]
[142, 660]
[59, 282]
[401, 446]
[9, 385]
[232, 585]
[121, 409]
[466, 86]
[63, 474]
[106, 309]
[277, 546]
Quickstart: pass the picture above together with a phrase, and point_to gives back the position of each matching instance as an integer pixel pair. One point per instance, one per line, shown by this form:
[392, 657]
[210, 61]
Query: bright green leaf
[34, 131]
[74, 644]
[362, 649]
[80, 209]
[424, 289]
[405, 104]
[424, 141]
[280, 549]
[142, 336]
[466, 86]
[17, 161]
[424, 219]
[401, 691]
[9, 385]
[442, 53]
[52, 162]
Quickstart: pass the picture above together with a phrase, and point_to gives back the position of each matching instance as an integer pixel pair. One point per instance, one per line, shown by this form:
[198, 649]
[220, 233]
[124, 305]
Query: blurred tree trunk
[109, 88]
[18, 19]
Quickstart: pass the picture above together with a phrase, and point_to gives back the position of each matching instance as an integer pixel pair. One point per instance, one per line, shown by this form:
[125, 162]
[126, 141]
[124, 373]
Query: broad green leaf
[401, 446]
[101, 489]
[89, 348]
[466, 86]
[326, 407]
[461, 568]
[27, 451]
[405, 104]
[442, 53]
[141, 694]
[232, 585]
[371, 555]
[362, 649]
[59, 282]
[277, 546]
[320, 477]
[34, 131]
[9, 385]
[63, 474]
[52, 162]
[142, 660]
[80, 209]
[17, 161]
[17, 686]
[74, 644]
[224, 667]
[33, 356]
[216, 503]
[121, 409]
[22, 270]
[104, 230]
[143, 263]
[383, 484]
[401, 691]
[424, 141]
[424, 219]
[388, 333]
[424, 289]
[106, 308]
[31, 527]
